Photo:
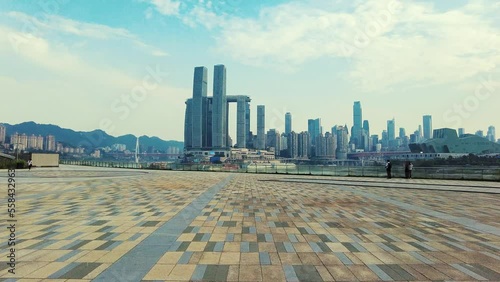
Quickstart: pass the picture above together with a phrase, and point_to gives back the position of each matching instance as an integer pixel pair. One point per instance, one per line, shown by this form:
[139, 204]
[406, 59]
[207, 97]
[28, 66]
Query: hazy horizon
[126, 67]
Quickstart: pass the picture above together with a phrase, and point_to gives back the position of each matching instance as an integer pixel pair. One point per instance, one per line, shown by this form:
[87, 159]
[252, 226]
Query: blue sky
[126, 66]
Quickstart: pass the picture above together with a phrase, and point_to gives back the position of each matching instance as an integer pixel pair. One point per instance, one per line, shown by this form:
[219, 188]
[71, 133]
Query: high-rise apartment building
[293, 145]
[366, 136]
[314, 129]
[342, 141]
[3, 134]
[32, 140]
[391, 129]
[284, 143]
[288, 123]
[19, 141]
[50, 143]
[198, 108]
[357, 127]
[261, 127]
[402, 132]
[303, 146]
[219, 108]
[325, 146]
[427, 122]
[273, 140]
[491, 133]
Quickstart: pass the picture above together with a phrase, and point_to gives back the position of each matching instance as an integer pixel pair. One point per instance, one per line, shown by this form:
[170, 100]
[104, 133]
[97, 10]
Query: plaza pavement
[102, 224]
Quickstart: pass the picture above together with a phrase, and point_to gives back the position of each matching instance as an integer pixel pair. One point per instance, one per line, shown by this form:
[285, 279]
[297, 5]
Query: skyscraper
[288, 123]
[357, 127]
[219, 108]
[2, 134]
[284, 144]
[293, 145]
[314, 127]
[402, 132]
[273, 139]
[366, 136]
[427, 122]
[491, 133]
[188, 125]
[391, 129]
[303, 145]
[325, 146]
[198, 111]
[261, 127]
[342, 141]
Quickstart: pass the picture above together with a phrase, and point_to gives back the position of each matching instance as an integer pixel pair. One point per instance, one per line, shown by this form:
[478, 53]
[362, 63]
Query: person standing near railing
[388, 167]
[410, 169]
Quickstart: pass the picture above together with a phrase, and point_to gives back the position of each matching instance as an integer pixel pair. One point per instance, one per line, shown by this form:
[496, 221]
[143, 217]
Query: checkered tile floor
[125, 225]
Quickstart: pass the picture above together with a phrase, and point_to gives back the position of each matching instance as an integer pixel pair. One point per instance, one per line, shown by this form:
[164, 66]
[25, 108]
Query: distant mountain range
[92, 139]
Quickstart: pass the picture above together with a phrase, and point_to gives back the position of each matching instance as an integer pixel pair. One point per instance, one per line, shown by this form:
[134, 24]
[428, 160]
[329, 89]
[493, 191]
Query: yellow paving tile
[210, 258]
[159, 272]
[170, 258]
[229, 258]
[181, 272]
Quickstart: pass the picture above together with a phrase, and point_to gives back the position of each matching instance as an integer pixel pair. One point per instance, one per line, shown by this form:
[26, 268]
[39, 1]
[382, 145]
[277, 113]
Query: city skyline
[62, 66]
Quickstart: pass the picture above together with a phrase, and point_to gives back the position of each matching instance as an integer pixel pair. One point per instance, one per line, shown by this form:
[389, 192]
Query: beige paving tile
[170, 258]
[250, 273]
[324, 273]
[25, 268]
[46, 270]
[273, 273]
[210, 258]
[231, 247]
[368, 258]
[341, 273]
[249, 258]
[196, 246]
[229, 258]
[159, 272]
[309, 259]
[363, 273]
[302, 247]
[289, 258]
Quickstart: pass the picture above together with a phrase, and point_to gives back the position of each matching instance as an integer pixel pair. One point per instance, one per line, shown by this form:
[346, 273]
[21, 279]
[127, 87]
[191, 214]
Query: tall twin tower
[206, 119]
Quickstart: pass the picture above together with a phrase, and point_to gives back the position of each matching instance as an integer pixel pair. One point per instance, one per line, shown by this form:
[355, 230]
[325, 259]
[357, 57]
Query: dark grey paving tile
[307, 273]
[80, 271]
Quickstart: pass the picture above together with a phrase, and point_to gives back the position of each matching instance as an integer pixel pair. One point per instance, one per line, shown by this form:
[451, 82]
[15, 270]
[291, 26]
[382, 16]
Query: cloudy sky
[126, 66]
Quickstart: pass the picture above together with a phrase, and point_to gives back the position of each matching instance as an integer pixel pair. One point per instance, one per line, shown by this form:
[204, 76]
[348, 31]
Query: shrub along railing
[464, 173]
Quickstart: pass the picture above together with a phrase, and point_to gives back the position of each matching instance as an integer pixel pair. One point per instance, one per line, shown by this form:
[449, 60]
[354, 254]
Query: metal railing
[457, 173]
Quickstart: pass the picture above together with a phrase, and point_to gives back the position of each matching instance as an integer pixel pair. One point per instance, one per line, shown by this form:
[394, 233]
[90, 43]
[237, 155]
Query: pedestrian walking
[388, 167]
[407, 169]
[30, 164]
[410, 169]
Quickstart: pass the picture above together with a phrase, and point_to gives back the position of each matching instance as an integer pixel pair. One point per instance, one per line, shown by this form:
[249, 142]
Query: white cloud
[57, 85]
[389, 43]
[166, 7]
[33, 26]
